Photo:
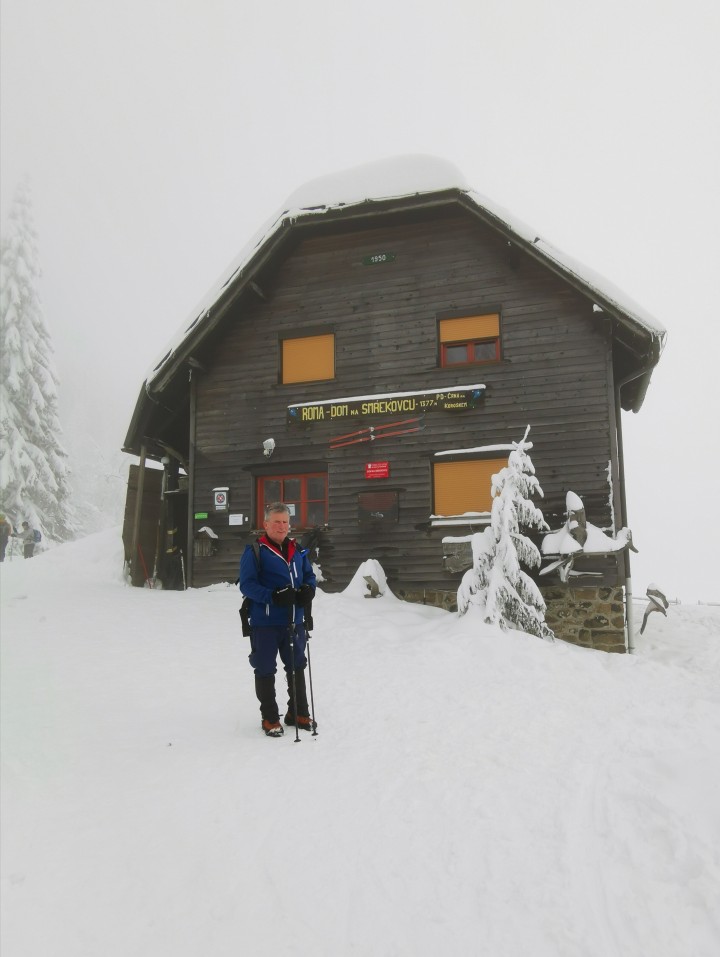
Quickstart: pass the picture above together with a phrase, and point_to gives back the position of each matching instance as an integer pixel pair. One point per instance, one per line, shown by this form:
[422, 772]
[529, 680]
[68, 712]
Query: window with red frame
[469, 339]
[306, 495]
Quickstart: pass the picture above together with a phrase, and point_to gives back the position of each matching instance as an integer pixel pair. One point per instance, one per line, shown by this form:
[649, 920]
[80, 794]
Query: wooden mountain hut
[368, 359]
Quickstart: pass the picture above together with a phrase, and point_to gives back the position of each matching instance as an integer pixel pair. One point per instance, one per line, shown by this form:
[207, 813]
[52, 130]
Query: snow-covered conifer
[33, 463]
[496, 584]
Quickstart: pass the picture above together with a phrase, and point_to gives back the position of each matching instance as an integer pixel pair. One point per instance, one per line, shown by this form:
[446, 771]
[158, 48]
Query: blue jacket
[275, 571]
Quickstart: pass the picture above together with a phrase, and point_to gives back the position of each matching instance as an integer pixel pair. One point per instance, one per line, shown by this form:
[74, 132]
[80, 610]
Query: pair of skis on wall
[373, 432]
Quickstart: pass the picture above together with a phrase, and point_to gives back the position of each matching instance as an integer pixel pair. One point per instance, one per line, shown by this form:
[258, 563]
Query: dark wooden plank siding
[553, 376]
[148, 541]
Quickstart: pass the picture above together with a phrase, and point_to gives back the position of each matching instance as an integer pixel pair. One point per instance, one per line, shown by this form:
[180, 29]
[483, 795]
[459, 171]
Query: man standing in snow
[28, 540]
[277, 577]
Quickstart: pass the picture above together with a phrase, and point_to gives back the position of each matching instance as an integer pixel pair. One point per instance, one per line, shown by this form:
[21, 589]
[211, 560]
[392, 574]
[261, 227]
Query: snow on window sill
[454, 521]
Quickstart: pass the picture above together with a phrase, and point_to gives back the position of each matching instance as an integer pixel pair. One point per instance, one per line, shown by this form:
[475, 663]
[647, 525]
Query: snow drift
[469, 791]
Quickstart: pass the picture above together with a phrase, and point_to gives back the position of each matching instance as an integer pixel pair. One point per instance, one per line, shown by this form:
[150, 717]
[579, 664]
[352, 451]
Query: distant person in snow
[6, 531]
[277, 578]
[29, 539]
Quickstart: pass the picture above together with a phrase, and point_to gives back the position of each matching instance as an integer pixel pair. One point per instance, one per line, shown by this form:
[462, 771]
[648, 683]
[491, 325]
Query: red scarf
[278, 549]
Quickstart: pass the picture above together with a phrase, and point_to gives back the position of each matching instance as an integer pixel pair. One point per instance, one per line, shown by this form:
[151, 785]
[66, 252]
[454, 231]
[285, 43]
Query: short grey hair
[276, 507]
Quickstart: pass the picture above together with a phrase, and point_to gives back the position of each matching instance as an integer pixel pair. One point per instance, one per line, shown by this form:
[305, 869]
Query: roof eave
[653, 338]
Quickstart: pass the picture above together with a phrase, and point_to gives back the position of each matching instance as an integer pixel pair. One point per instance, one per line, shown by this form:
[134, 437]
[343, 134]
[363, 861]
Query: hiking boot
[273, 729]
[297, 702]
[305, 724]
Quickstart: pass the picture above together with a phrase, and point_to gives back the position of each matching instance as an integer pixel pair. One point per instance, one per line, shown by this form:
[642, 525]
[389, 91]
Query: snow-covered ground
[469, 792]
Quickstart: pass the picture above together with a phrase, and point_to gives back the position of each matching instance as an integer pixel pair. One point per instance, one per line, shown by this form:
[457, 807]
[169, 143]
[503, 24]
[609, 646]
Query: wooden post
[624, 557]
[189, 558]
[138, 513]
[161, 528]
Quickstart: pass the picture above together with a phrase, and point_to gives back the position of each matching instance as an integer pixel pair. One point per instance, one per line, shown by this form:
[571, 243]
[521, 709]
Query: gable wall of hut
[554, 375]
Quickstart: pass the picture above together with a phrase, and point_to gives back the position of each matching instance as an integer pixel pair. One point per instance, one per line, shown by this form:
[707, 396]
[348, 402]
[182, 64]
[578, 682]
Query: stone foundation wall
[591, 617]
[588, 616]
[428, 596]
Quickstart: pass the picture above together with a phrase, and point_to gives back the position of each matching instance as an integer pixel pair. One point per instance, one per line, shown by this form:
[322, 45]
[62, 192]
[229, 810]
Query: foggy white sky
[160, 134]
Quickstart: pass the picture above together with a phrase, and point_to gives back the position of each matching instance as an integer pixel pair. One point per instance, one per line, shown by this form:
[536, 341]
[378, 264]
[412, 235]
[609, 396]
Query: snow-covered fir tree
[496, 584]
[34, 472]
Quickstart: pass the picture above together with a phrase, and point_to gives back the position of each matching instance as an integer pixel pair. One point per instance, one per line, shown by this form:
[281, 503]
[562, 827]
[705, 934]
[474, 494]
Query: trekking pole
[312, 700]
[291, 629]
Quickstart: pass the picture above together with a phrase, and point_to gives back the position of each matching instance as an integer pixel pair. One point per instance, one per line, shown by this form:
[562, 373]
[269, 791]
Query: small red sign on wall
[377, 470]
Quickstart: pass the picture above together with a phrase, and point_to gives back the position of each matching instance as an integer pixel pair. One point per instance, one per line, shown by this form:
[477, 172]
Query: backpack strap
[245, 607]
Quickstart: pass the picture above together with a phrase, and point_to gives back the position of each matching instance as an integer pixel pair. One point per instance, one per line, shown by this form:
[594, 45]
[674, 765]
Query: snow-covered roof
[401, 177]
[385, 187]
[383, 179]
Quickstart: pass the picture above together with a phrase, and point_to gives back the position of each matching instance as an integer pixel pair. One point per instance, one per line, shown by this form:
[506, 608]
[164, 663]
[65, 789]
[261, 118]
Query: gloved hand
[284, 596]
[304, 595]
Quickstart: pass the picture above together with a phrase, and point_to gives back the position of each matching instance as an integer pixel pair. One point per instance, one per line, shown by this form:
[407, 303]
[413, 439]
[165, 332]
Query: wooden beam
[173, 453]
[138, 513]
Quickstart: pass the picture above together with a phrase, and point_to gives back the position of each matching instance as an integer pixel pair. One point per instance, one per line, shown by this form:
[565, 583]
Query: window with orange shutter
[468, 340]
[307, 359]
[464, 486]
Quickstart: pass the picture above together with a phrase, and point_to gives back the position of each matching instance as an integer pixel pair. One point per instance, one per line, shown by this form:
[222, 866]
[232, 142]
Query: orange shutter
[469, 328]
[464, 486]
[309, 359]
